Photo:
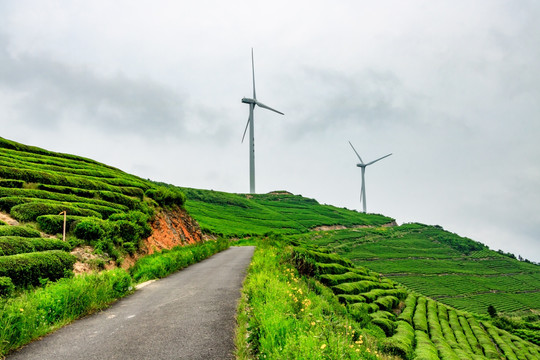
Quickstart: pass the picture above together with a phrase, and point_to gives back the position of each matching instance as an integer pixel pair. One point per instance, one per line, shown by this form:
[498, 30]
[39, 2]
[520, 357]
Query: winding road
[188, 315]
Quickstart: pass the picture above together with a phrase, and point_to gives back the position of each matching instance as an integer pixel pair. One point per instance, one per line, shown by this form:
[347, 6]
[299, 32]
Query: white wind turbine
[363, 166]
[252, 103]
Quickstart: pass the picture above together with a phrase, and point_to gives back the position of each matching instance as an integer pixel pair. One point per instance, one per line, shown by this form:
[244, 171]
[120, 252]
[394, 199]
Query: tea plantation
[105, 208]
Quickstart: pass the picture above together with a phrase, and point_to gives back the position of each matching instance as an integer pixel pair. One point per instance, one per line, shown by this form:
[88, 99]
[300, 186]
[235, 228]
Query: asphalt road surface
[188, 315]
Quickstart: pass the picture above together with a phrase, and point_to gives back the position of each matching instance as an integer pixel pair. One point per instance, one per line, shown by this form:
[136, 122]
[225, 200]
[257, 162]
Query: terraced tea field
[457, 271]
[280, 212]
[105, 207]
[416, 327]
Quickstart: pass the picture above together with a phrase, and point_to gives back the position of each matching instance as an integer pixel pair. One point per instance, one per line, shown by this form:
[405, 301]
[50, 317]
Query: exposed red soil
[172, 228]
[169, 229]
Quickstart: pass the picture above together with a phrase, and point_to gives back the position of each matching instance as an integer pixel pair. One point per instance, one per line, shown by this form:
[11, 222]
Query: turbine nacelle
[249, 101]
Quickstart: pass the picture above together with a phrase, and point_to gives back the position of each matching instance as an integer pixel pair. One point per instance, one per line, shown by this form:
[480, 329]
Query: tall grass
[285, 316]
[37, 312]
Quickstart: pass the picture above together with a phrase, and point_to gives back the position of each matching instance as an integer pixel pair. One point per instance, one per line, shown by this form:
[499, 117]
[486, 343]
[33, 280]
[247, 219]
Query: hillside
[457, 271]
[279, 212]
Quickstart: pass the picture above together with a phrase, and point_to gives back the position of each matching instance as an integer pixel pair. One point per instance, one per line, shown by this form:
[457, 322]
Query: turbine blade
[374, 161]
[356, 153]
[268, 107]
[247, 124]
[253, 74]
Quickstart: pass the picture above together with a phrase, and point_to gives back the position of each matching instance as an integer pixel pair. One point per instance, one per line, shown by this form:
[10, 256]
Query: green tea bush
[30, 211]
[461, 339]
[373, 294]
[350, 299]
[12, 245]
[387, 302]
[27, 269]
[425, 349]
[387, 325]
[331, 280]
[6, 183]
[402, 342]
[166, 196]
[6, 203]
[408, 311]
[24, 231]
[420, 315]
[489, 349]
[322, 268]
[355, 288]
[471, 339]
[6, 286]
[54, 224]
[90, 229]
[358, 306]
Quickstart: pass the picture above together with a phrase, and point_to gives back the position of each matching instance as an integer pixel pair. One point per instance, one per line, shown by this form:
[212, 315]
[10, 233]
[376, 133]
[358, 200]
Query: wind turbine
[252, 103]
[362, 165]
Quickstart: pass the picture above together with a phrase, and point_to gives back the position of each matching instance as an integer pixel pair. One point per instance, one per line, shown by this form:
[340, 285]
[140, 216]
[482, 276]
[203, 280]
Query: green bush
[54, 224]
[387, 302]
[331, 280]
[350, 299]
[373, 294]
[90, 229]
[166, 196]
[408, 311]
[28, 269]
[355, 288]
[388, 326]
[12, 245]
[420, 315]
[369, 308]
[15, 184]
[425, 349]
[402, 342]
[31, 210]
[24, 231]
[6, 286]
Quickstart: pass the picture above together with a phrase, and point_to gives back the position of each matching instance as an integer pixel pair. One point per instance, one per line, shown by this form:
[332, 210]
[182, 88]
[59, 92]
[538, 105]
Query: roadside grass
[165, 262]
[282, 315]
[37, 312]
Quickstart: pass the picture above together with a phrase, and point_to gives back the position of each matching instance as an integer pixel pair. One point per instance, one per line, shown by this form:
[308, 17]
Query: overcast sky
[451, 88]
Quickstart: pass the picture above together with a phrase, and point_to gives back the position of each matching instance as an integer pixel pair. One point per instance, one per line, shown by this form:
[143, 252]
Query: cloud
[49, 93]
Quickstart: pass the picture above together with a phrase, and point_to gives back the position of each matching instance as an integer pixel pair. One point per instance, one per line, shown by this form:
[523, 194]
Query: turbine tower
[252, 102]
[363, 167]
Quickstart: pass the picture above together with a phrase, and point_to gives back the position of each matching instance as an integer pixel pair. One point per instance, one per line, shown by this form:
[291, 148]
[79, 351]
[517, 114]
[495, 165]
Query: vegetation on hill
[106, 208]
[444, 266]
[301, 301]
[241, 215]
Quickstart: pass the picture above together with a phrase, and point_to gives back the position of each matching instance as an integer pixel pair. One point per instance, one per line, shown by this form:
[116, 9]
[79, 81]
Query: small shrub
[31, 210]
[24, 231]
[27, 269]
[166, 196]
[12, 245]
[89, 229]
[54, 224]
[15, 184]
[402, 342]
[6, 286]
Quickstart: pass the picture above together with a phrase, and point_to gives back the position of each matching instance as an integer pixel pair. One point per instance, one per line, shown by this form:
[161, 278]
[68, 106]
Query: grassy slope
[243, 215]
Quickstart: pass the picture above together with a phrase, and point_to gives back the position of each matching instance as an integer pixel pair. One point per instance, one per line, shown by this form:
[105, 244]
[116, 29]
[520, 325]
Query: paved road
[188, 315]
